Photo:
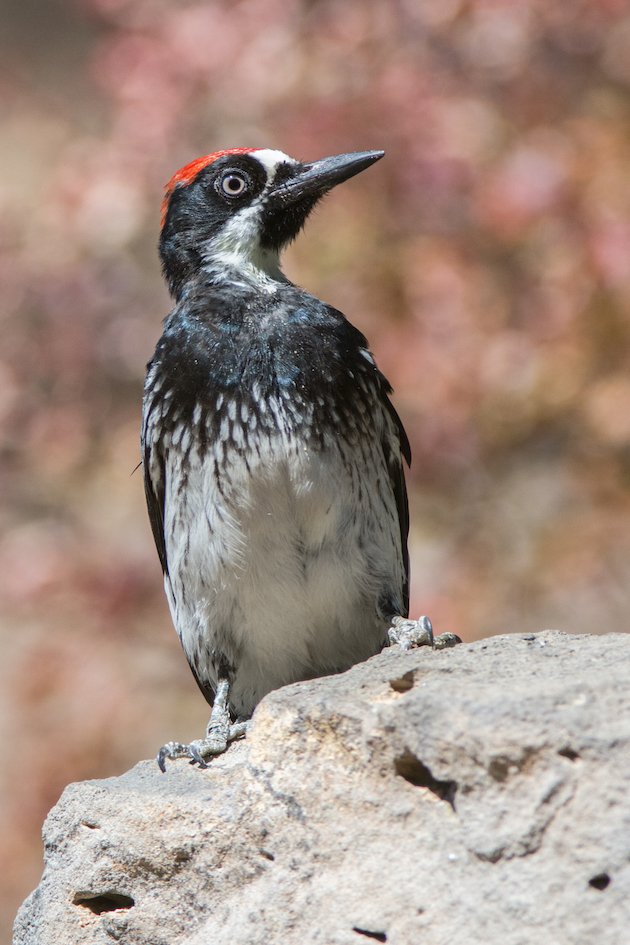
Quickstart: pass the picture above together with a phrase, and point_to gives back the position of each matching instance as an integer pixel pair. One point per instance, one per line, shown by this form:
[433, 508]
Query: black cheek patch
[281, 226]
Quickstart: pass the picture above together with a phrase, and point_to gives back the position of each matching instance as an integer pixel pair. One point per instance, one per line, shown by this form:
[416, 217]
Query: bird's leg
[408, 634]
[220, 731]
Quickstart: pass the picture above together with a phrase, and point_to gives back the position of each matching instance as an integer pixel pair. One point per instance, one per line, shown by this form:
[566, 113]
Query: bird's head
[234, 211]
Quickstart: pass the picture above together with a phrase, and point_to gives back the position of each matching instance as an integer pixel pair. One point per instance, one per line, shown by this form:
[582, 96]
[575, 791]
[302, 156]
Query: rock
[475, 794]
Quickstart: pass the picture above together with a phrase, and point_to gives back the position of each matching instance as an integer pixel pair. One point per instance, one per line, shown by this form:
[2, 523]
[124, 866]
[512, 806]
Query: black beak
[313, 180]
[298, 188]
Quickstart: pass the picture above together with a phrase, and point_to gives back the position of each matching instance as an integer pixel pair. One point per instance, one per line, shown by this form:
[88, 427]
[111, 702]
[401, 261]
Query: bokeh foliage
[487, 258]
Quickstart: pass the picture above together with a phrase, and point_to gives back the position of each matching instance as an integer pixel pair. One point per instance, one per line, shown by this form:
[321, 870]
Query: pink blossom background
[487, 258]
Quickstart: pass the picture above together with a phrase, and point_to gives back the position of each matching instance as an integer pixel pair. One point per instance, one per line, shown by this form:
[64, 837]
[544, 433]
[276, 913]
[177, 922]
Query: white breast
[279, 563]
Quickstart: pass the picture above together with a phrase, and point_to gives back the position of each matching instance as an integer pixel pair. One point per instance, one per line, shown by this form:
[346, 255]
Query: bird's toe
[409, 634]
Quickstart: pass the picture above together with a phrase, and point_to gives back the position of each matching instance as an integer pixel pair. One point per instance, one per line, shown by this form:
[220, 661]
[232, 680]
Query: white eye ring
[233, 184]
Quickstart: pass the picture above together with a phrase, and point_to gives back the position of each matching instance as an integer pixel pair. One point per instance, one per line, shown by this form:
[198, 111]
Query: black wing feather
[397, 478]
[154, 492]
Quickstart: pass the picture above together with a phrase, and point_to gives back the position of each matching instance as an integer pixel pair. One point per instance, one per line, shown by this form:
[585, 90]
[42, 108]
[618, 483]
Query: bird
[272, 454]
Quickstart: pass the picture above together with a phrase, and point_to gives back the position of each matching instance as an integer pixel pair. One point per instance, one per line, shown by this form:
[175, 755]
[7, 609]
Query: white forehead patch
[271, 161]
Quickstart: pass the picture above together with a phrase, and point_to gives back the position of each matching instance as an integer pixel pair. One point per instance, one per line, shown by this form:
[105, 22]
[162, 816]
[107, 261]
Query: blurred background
[487, 258]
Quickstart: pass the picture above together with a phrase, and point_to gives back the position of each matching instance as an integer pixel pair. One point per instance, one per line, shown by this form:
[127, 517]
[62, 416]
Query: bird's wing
[394, 453]
[154, 476]
[395, 443]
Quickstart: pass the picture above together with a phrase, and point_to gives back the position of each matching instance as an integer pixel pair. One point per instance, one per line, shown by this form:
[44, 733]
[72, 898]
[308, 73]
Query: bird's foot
[220, 732]
[215, 743]
[408, 634]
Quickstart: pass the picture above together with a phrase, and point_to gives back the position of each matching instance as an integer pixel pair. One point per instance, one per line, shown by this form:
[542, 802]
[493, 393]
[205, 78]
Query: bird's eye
[233, 184]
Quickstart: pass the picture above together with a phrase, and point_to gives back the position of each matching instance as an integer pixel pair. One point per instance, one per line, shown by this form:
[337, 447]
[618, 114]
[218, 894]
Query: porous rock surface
[479, 794]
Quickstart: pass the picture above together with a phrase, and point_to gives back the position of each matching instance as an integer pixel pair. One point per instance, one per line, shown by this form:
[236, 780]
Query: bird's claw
[408, 634]
[195, 755]
[411, 633]
[198, 752]
[170, 750]
[445, 640]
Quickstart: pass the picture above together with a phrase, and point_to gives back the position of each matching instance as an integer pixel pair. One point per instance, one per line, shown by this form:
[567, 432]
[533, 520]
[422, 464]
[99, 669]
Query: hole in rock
[413, 770]
[183, 855]
[499, 768]
[103, 902]
[377, 936]
[404, 684]
[267, 855]
[600, 881]
[569, 753]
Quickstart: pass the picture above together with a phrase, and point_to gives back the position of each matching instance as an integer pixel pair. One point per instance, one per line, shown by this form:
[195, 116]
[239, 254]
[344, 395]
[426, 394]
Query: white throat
[240, 252]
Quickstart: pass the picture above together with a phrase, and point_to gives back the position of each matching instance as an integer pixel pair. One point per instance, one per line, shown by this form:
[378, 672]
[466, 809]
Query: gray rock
[476, 794]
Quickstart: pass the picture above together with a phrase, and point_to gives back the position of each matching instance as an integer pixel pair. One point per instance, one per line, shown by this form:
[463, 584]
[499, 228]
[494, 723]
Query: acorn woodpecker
[273, 458]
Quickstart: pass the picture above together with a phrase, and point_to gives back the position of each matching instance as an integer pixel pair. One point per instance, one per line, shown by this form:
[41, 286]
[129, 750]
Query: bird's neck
[231, 260]
[235, 256]
[262, 274]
